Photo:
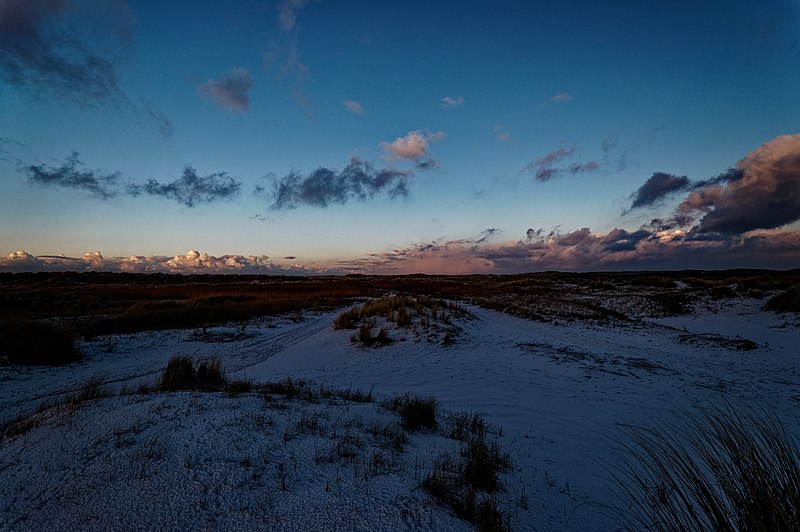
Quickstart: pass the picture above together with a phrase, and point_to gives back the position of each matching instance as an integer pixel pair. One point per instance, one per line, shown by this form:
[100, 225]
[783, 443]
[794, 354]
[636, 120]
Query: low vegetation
[182, 374]
[38, 343]
[718, 469]
[468, 481]
[786, 301]
[73, 305]
[416, 413]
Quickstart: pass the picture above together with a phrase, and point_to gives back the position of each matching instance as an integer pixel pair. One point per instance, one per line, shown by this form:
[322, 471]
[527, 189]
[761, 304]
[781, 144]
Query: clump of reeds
[181, 374]
[416, 413]
[718, 469]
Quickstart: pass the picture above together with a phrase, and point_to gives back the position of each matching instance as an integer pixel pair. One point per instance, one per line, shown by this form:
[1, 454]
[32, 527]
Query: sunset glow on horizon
[320, 137]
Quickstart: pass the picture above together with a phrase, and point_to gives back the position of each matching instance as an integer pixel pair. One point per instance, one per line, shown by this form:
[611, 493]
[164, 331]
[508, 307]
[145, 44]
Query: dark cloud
[583, 250]
[622, 240]
[762, 192]
[656, 188]
[230, 91]
[162, 121]
[191, 189]
[543, 168]
[188, 190]
[70, 174]
[488, 233]
[39, 55]
[322, 187]
[583, 168]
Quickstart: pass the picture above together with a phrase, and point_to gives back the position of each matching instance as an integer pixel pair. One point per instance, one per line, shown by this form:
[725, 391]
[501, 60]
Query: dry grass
[469, 482]
[181, 374]
[786, 301]
[718, 469]
[416, 413]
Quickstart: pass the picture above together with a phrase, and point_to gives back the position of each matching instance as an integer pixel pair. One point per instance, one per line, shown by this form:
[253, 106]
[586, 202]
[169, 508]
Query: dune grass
[716, 469]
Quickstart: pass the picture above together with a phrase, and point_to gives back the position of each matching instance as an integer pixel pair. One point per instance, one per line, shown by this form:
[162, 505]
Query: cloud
[414, 147]
[761, 192]
[192, 262]
[502, 134]
[656, 188]
[287, 13]
[543, 168]
[191, 189]
[230, 91]
[583, 250]
[561, 97]
[69, 174]
[41, 53]
[583, 168]
[765, 193]
[323, 187]
[162, 121]
[284, 52]
[354, 107]
[452, 103]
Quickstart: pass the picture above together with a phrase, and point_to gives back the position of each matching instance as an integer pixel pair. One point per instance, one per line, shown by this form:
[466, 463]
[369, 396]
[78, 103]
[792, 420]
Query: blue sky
[468, 124]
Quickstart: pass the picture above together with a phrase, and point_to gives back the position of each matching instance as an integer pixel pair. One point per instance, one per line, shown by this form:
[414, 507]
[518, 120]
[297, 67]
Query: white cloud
[355, 107]
[413, 146]
[451, 103]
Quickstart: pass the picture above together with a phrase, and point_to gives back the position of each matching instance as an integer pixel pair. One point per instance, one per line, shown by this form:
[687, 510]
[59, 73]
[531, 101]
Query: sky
[320, 136]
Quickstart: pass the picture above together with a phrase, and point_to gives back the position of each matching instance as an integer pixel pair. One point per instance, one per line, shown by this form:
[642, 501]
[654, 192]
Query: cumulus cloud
[230, 91]
[41, 53]
[656, 188]
[192, 262]
[544, 168]
[354, 107]
[323, 187]
[561, 97]
[584, 250]
[191, 188]
[452, 103]
[70, 174]
[761, 192]
[414, 147]
[764, 194]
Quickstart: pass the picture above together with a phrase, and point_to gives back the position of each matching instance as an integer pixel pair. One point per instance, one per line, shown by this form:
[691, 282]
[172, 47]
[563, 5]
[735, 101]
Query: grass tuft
[180, 374]
[468, 483]
[718, 469]
[416, 413]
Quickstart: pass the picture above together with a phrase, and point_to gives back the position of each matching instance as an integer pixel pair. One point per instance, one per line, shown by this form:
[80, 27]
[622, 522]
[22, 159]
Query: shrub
[180, 374]
[786, 301]
[416, 413]
[37, 343]
[716, 470]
